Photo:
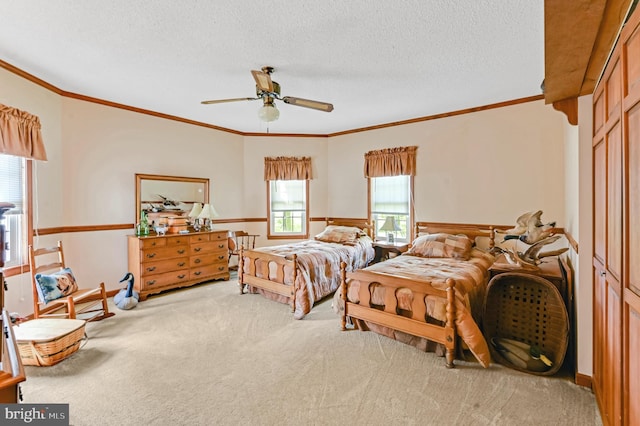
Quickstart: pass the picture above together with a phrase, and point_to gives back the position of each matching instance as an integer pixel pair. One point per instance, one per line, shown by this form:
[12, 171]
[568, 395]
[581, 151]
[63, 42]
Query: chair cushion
[54, 286]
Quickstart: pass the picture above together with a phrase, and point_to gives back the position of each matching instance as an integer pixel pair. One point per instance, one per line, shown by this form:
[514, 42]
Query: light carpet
[208, 356]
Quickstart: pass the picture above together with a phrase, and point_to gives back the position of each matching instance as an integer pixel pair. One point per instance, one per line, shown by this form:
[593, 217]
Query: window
[13, 188]
[391, 196]
[288, 215]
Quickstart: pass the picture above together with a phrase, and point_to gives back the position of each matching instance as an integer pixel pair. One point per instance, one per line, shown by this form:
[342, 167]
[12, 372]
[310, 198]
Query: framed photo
[391, 238]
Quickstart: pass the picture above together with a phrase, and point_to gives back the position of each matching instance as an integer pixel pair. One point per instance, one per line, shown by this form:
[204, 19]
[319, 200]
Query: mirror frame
[140, 177]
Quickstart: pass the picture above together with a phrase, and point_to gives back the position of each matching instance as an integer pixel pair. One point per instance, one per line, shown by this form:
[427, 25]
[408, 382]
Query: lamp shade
[195, 210]
[390, 225]
[208, 212]
[268, 113]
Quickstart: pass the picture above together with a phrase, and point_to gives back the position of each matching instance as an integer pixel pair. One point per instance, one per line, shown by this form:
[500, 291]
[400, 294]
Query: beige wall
[485, 167]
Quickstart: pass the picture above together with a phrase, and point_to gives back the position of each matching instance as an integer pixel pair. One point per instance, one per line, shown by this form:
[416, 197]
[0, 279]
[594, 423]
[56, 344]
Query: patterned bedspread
[471, 278]
[318, 272]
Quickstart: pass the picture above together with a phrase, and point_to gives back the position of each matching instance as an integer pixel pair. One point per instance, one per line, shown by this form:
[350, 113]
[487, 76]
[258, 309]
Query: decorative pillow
[56, 285]
[442, 245]
[340, 234]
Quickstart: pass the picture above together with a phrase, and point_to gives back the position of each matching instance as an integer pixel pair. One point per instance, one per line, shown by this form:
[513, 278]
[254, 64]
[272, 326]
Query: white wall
[584, 237]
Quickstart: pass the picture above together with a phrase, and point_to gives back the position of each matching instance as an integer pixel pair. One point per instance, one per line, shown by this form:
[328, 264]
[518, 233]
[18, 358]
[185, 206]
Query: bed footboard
[388, 316]
[267, 271]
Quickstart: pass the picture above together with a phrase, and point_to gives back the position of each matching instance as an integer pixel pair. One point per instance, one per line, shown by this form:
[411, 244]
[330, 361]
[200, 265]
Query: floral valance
[287, 168]
[390, 162]
[20, 134]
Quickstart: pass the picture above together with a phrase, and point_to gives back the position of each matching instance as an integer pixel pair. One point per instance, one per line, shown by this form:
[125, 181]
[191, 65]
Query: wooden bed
[282, 273]
[418, 299]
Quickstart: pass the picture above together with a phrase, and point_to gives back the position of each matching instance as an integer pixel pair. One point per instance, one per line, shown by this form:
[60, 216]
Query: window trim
[304, 236]
[21, 269]
[411, 222]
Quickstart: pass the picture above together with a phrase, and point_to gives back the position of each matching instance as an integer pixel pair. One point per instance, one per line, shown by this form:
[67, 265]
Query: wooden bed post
[492, 239]
[451, 327]
[241, 269]
[343, 294]
[293, 284]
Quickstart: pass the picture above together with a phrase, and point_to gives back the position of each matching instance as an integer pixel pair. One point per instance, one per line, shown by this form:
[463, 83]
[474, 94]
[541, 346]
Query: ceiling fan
[269, 90]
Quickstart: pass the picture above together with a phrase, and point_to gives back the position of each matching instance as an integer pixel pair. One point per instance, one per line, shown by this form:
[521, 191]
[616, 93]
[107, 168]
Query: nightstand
[384, 249]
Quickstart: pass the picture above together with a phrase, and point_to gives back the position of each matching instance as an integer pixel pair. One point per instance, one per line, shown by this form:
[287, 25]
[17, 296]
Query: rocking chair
[55, 292]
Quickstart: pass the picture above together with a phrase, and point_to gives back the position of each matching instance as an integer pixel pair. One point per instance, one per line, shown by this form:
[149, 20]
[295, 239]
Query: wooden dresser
[160, 262]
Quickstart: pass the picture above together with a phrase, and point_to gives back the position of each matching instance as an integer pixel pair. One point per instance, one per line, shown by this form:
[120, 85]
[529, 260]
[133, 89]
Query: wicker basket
[45, 342]
[529, 309]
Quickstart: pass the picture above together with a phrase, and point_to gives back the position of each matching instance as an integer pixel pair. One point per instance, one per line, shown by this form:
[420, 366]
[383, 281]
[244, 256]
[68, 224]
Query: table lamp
[208, 213]
[193, 215]
[390, 227]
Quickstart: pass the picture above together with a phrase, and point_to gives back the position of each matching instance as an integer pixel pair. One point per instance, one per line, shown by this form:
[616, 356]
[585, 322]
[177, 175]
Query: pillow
[442, 245]
[56, 285]
[340, 234]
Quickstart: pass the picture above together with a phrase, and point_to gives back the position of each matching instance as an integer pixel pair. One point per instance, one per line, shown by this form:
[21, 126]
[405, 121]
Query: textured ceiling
[377, 61]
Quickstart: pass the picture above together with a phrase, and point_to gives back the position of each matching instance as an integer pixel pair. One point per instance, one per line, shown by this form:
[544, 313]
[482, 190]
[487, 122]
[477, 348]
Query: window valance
[20, 134]
[390, 162]
[287, 168]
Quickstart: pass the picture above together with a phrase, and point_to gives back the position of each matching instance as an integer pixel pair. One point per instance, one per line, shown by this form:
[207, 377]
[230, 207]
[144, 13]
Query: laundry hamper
[45, 342]
[529, 309]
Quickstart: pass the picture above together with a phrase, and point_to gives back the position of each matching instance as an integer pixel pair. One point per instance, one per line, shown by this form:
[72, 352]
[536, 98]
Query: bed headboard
[363, 224]
[471, 230]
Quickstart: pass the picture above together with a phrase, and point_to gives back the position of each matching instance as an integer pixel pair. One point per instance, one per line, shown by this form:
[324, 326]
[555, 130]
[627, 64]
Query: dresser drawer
[164, 253]
[161, 266]
[219, 236]
[207, 259]
[152, 282]
[153, 243]
[199, 238]
[207, 271]
[208, 247]
[181, 240]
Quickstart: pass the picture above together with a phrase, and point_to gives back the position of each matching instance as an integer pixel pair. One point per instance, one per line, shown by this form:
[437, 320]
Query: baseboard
[583, 380]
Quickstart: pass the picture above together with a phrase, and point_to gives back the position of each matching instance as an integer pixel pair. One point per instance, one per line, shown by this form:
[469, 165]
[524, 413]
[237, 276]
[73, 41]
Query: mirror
[169, 195]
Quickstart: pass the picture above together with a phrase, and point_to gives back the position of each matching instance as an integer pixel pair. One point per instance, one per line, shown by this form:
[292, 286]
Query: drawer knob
[220, 245]
[197, 273]
[220, 268]
[197, 261]
[197, 249]
[152, 282]
[181, 276]
[181, 264]
[220, 257]
[150, 255]
[180, 251]
[150, 269]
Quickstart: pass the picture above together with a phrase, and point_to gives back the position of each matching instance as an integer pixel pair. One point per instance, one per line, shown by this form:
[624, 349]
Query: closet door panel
[633, 197]
[632, 374]
[614, 202]
[599, 200]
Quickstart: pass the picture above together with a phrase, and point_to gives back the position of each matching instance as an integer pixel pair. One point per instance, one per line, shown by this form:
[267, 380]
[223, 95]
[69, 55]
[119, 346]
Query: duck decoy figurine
[127, 298]
[529, 228]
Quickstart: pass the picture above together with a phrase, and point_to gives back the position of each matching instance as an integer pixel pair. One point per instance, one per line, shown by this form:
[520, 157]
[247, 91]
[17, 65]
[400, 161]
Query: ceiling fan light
[268, 113]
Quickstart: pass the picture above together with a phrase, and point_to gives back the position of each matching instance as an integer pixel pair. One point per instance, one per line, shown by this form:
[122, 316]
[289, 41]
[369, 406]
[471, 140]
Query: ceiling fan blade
[307, 103]
[263, 80]
[222, 101]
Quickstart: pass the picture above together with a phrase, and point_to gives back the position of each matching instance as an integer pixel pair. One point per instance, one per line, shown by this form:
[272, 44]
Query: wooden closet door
[631, 297]
[607, 235]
